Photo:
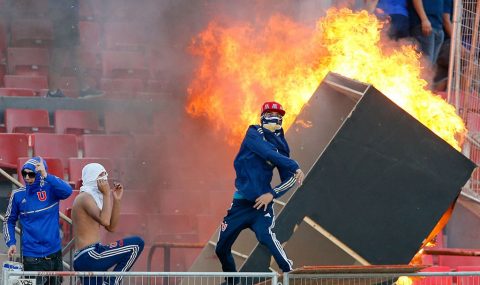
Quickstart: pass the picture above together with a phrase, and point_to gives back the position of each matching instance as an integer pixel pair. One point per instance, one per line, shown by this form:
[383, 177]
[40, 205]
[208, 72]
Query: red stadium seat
[67, 204]
[91, 10]
[76, 165]
[127, 36]
[52, 145]
[12, 146]
[473, 122]
[121, 88]
[28, 61]
[127, 123]
[27, 121]
[55, 166]
[76, 122]
[111, 146]
[35, 83]
[17, 92]
[124, 64]
[32, 32]
[31, 9]
[90, 35]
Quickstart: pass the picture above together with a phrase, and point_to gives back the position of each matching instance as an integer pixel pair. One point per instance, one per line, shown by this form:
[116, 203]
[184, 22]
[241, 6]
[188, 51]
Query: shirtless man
[98, 205]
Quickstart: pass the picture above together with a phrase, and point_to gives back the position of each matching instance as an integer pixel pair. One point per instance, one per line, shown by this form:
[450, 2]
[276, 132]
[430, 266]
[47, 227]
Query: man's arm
[61, 189]
[426, 25]
[103, 216]
[11, 217]
[447, 13]
[117, 197]
[254, 141]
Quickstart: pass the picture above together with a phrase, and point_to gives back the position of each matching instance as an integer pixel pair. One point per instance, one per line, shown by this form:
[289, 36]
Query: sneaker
[90, 93]
[55, 94]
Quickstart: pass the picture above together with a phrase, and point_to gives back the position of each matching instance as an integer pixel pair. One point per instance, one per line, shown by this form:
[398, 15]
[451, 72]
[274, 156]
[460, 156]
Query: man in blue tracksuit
[263, 148]
[37, 207]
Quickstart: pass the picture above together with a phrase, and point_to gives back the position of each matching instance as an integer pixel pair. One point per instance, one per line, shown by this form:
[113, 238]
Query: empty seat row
[76, 122]
[14, 146]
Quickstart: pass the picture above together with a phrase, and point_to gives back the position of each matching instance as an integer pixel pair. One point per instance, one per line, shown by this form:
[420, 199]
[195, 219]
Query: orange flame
[244, 65]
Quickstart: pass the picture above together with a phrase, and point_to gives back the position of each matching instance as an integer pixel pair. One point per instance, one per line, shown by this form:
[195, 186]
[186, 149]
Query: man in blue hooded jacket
[37, 207]
[263, 148]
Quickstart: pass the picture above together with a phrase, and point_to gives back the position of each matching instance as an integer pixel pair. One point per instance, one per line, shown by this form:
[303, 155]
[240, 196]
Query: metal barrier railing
[421, 278]
[131, 278]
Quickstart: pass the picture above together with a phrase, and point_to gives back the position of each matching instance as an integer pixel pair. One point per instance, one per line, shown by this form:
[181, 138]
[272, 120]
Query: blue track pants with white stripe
[121, 255]
[241, 216]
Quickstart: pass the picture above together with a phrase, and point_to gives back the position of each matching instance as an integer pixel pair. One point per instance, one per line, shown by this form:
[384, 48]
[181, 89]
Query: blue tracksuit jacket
[261, 151]
[37, 208]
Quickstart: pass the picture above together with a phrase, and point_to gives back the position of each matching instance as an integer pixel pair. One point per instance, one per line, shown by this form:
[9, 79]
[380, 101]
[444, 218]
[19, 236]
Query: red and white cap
[273, 107]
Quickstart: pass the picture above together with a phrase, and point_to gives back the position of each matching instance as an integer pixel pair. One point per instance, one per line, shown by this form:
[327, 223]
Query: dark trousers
[52, 262]
[241, 216]
[121, 255]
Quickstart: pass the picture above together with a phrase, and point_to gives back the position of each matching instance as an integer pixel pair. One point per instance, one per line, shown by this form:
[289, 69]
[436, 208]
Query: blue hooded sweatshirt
[261, 151]
[37, 206]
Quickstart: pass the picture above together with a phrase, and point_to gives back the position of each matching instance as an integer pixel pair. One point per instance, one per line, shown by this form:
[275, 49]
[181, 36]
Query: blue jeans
[430, 45]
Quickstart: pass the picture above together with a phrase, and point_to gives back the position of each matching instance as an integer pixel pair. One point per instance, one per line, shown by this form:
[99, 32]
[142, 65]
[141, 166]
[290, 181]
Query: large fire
[243, 65]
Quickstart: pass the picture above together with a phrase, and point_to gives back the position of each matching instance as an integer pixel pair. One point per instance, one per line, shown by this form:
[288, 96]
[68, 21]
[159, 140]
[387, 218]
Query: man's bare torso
[85, 230]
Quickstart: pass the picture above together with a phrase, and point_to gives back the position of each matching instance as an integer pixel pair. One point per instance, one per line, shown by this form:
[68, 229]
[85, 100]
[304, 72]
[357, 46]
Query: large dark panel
[380, 186]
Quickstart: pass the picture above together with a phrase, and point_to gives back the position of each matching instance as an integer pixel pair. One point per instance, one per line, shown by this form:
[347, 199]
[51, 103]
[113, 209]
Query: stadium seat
[12, 146]
[53, 145]
[29, 9]
[76, 122]
[121, 88]
[127, 123]
[35, 83]
[17, 92]
[126, 36]
[32, 32]
[76, 165]
[182, 202]
[111, 146]
[27, 121]
[55, 166]
[124, 64]
[91, 10]
[68, 203]
[28, 61]
[90, 35]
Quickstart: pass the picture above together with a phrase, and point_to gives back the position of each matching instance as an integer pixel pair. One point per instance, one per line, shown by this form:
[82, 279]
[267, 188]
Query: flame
[243, 65]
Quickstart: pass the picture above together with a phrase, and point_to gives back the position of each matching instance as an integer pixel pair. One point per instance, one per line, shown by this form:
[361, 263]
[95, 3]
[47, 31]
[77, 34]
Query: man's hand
[263, 201]
[11, 251]
[103, 186]
[426, 27]
[299, 175]
[40, 167]
[117, 191]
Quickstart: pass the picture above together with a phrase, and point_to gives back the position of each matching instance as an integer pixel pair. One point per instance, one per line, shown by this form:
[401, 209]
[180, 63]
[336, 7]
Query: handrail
[166, 252]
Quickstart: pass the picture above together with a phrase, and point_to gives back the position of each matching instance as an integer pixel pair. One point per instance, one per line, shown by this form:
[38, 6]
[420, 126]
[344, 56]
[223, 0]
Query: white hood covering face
[90, 175]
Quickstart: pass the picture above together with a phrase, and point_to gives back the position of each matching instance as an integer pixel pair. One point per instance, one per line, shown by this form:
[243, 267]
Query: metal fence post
[285, 278]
